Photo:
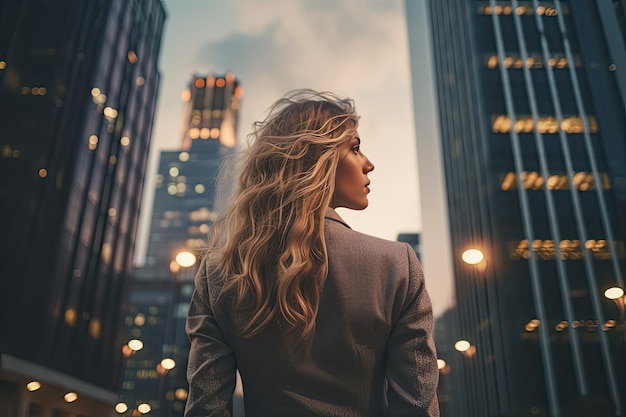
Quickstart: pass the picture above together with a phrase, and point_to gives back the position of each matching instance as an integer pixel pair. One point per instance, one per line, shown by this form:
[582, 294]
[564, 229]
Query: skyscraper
[78, 87]
[525, 133]
[186, 201]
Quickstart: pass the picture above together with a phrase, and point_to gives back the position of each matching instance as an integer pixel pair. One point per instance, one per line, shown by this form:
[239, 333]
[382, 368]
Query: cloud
[355, 48]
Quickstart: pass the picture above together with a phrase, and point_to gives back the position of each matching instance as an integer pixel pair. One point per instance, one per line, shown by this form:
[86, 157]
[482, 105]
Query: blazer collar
[331, 214]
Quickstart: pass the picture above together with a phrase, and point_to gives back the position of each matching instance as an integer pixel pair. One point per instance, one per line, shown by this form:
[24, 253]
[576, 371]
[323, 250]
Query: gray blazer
[372, 353]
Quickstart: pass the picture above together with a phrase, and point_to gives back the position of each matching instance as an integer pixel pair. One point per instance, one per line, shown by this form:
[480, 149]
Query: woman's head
[272, 256]
[294, 153]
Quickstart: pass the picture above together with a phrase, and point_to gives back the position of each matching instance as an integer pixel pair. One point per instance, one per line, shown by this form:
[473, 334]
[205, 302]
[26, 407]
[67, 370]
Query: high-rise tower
[529, 153]
[78, 87]
[186, 201]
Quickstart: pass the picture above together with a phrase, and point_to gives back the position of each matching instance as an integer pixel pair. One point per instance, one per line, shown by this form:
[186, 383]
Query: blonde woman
[320, 320]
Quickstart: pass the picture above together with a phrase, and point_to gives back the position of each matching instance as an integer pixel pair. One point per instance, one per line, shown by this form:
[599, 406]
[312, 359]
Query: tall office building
[186, 201]
[520, 112]
[78, 87]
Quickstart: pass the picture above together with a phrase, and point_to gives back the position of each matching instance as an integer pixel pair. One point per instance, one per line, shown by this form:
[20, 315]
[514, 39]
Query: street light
[185, 259]
[472, 256]
[616, 294]
[466, 348]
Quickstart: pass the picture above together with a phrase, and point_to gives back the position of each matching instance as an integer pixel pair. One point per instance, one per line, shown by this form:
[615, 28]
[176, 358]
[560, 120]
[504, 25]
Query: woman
[320, 320]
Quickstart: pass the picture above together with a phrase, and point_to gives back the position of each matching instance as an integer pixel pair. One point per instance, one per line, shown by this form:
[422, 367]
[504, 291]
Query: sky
[354, 48]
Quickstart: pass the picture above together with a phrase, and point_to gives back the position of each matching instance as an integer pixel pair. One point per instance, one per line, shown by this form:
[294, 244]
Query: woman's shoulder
[343, 238]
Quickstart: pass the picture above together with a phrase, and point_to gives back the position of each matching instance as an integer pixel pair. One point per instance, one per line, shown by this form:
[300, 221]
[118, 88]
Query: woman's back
[341, 370]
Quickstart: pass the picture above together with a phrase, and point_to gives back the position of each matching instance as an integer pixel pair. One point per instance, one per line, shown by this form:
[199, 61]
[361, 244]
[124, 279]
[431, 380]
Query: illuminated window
[545, 124]
[583, 181]
[570, 249]
[132, 57]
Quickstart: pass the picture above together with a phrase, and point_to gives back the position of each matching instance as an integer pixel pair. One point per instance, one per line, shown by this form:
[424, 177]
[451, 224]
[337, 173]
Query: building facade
[188, 195]
[527, 99]
[78, 87]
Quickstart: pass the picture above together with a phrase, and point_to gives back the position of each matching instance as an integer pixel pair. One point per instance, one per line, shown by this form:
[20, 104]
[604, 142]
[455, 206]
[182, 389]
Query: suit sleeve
[411, 367]
[211, 370]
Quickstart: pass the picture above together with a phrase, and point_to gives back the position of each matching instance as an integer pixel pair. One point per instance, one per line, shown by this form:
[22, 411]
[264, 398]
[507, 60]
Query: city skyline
[356, 49]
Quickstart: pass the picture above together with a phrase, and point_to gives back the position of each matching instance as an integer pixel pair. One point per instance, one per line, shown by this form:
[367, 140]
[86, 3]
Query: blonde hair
[268, 248]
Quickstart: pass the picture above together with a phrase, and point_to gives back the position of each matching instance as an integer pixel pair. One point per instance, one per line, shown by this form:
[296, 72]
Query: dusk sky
[355, 48]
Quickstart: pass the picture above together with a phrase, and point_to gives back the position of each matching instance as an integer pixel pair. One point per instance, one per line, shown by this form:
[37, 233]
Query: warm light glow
[441, 364]
[168, 363]
[614, 293]
[125, 141]
[135, 344]
[220, 82]
[43, 173]
[121, 408]
[199, 188]
[462, 345]
[140, 81]
[132, 57]
[174, 171]
[181, 394]
[472, 256]
[185, 95]
[139, 320]
[110, 112]
[200, 82]
[33, 386]
[70, 397]
[183, 156]
[144, 408]
[185, 259]
[3, 65]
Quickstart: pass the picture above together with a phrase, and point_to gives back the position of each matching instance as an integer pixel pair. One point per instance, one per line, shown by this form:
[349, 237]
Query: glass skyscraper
[78, 87]
[520, 114]
[187, 197]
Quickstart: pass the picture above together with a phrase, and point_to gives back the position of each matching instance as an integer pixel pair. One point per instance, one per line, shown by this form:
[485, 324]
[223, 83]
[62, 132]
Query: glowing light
[614, 293]
[168, 363]
[144, 408]
[135, 344]
[183, 156]
[121, 408]
[174, 171]
[43, 173]
[441, 364]
[472, 256]
[110, 112]
[181, 394]
[462, 345]
[95, 92]
[132, 57]
[185, 259]
[70, 397]
[125, 141]
[33, 386]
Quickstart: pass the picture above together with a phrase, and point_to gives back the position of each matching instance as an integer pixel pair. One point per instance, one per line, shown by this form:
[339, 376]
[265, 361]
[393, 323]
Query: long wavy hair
[268, 247]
